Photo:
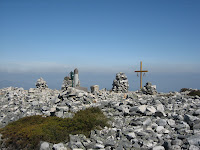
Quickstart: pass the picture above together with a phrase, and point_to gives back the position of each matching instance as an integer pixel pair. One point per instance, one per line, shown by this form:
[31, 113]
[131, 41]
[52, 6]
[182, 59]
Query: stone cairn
[149, 89]
[94, 88]
[120, 84]
[67, 82]
[41, 84]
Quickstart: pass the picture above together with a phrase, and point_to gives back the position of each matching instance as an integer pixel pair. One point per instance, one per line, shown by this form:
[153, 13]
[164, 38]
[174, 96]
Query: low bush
[26, 133]
[185, 89]
[194, 93]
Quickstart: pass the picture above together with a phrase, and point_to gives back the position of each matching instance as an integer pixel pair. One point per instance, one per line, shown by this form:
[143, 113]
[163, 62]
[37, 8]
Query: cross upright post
[141, 71]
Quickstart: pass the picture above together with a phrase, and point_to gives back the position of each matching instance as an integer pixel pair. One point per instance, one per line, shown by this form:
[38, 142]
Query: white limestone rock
[44, 146]
[59, 146]
[98, 146]
[194, 140]
[131, 135]
[158, 148]
[193, 147]
[150, 110]
[142, 108]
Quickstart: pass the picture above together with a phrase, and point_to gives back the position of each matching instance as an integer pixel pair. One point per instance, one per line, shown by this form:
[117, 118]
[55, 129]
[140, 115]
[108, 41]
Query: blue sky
[99, 35]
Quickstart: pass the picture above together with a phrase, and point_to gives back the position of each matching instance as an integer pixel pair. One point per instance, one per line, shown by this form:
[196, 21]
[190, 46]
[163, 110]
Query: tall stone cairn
[120, 84]
[149, 89]
[41, 84]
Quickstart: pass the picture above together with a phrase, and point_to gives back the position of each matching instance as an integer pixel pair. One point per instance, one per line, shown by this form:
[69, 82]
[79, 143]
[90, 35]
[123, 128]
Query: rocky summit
[138, 120]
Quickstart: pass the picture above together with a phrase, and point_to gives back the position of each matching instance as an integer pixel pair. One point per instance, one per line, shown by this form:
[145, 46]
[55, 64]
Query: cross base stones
[149, 89]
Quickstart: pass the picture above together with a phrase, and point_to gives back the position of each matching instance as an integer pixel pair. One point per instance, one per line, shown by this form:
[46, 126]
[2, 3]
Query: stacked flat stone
[41, 84]
[120, 84]
[94, 88]
[67, 82]
[149, 89]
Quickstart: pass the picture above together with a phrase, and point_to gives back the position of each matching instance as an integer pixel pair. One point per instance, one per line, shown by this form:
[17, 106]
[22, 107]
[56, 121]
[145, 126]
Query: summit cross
[141, 71]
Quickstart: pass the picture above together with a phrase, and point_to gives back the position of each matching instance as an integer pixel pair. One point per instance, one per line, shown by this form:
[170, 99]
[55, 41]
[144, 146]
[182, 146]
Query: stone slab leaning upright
[76, 78]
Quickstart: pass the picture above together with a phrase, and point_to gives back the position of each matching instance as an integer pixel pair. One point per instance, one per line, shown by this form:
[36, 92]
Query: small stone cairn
[67, 82]
[94, 88]
[149, 89]
[41, 84]
[120, 84]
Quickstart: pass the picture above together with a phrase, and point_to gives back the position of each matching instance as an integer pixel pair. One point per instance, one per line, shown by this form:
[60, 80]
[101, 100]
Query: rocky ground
[138, 121]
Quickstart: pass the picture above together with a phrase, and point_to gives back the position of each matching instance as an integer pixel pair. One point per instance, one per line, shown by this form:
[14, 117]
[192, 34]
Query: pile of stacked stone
[76, 99]
[41, 84]
[94, 88]
[120, 84]
[67, 82]
[149, 89]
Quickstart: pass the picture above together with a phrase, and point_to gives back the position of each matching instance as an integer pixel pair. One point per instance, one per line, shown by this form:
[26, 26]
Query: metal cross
[141, 71]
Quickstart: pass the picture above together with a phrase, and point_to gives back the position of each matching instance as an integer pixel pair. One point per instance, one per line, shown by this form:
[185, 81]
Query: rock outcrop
[120, 84]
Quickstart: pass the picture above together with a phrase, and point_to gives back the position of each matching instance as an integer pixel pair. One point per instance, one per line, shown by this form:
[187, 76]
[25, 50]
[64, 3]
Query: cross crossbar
[141, 71]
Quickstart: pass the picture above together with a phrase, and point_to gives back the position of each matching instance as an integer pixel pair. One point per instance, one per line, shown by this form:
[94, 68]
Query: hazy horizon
[164, 82]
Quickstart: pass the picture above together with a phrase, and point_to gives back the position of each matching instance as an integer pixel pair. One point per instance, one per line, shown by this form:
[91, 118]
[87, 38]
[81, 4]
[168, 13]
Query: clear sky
[99, 35]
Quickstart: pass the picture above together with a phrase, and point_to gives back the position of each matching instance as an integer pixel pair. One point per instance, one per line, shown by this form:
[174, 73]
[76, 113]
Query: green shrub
[26, 133]
[185, 89]
[194, 93]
